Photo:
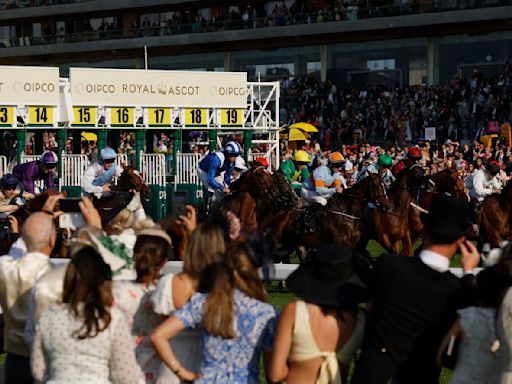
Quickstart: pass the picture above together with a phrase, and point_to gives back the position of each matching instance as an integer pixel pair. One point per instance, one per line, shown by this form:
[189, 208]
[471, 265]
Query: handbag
[450, 354]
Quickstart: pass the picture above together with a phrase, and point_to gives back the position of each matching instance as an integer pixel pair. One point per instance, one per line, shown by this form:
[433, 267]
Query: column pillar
[247, 143]
[176, 147]
[212, 140]
[140, 139]
[21, 134]
[432, 61]
[323, 62]
[61, 140]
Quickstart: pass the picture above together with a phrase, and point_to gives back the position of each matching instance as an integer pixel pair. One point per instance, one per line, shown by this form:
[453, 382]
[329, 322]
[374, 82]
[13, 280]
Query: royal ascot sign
[148, 88]
[29, 86]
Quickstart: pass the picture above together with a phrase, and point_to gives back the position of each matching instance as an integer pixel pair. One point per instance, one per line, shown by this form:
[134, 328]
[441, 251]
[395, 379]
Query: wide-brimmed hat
[328, 278]
[447, 217]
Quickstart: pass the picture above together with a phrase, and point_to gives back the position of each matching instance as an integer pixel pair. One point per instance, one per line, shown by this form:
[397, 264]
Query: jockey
[479, 183]
[32, 171]
[385, 173]
[239, 168]
[382, 168]
[10, 196]
[98, 177]
[216, 168]
[413, 157]
[296, 169]
[325, 182]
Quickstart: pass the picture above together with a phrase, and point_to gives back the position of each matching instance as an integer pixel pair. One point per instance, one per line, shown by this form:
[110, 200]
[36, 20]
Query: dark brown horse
[447, 181]
[494, 218]
[131, 180]
[391, 227]
[340, 221]
[252, 190]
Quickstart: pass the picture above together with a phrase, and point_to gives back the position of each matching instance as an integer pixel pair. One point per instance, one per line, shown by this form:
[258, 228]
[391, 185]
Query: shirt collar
[38, 255]
[435, 260]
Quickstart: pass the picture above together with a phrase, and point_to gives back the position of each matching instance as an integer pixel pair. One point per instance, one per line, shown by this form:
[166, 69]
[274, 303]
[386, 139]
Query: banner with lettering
[29, 86]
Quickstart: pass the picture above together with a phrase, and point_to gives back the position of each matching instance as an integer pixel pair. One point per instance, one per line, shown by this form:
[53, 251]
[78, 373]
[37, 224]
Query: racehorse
[494, 218]
[390, 227]
[447, 181]
[340, 221]
[254, 187]
[131, 180]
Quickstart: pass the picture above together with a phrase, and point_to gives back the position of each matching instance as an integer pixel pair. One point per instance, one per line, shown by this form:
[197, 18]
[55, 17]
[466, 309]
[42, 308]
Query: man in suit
[415, 301]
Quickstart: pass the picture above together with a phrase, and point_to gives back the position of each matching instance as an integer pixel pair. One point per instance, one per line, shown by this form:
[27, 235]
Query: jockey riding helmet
[240, 164]
[493, 169]
[9, 181]
[108, 153]
[336, 158]
[262, 161]
[233, 148]
[301, 157]
[415, 153]
[385, 160]
[49, 159]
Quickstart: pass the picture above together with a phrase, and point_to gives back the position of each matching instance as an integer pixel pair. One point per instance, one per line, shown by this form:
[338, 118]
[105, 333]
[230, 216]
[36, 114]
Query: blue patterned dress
[233, 361]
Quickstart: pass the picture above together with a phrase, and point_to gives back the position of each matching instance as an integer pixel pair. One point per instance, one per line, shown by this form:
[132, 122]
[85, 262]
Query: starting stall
[144, 103]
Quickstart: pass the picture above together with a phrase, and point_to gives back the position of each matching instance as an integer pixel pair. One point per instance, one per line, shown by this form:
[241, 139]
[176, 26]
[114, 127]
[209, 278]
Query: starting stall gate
[220, 105]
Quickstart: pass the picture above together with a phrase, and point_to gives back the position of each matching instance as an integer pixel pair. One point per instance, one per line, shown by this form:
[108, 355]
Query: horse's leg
[407, 246]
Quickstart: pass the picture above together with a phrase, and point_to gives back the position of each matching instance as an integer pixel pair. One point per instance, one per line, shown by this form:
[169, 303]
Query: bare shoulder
[183, 287]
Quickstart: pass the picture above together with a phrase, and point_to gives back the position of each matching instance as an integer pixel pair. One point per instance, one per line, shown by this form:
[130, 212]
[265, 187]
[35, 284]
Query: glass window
[36, 29]
[313, 67]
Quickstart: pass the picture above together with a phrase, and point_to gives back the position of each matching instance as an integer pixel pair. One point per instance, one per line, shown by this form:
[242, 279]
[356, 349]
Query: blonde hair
[124, 220]
[220, 281]
[206, 246]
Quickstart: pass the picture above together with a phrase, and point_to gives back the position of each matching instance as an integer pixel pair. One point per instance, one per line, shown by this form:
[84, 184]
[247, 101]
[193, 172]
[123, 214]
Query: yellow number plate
[196, 116]
[41, 115]
[231, 117]
[159, 116]
[6, 115]
[122, 116]
[84, 115]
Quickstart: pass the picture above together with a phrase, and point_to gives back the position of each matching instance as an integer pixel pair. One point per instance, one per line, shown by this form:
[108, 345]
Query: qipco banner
[29, 86]
[148, 88]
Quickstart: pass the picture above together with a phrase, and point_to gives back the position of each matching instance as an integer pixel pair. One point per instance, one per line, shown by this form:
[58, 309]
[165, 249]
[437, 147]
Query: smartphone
[179, 204]
[71, 220]
[69, 204]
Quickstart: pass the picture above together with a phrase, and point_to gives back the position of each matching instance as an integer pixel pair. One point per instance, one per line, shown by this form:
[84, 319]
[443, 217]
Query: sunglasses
[108, 161]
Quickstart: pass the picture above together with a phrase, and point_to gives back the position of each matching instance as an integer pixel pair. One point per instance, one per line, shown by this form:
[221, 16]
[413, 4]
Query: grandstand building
[353, 43]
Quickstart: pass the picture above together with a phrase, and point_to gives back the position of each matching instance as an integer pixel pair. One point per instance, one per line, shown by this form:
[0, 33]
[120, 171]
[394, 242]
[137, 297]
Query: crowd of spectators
[191, 21]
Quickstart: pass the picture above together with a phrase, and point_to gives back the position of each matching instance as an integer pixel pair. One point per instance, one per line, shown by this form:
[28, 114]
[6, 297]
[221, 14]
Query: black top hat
[328, 278]
[448, 216]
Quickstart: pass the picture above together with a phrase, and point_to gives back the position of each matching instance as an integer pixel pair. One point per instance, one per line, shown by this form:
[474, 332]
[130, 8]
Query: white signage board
[148, 88]
[430, 133]
[29, 86]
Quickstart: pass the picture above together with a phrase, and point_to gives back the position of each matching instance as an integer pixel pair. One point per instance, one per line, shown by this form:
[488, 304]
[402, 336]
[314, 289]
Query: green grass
[280, 297]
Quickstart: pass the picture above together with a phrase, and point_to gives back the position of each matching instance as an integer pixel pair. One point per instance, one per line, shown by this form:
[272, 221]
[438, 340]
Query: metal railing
[167, 28]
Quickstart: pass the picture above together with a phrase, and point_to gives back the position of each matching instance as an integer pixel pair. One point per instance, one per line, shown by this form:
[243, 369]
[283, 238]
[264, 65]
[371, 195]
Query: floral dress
[233, 361]
[134, 300]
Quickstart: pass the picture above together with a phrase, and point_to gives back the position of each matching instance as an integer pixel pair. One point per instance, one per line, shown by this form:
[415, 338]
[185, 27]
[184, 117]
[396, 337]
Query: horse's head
[450, 181]
[257, 180]
[131, 180]
[284, 187]
[375, 192]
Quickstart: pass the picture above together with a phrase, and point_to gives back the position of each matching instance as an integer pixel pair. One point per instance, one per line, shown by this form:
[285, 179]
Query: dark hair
[149, 255]
[88, 291]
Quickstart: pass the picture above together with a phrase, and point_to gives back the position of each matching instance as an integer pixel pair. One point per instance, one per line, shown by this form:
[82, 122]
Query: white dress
[475, 361]
[58, 357]
[187, 345]
[134, 300]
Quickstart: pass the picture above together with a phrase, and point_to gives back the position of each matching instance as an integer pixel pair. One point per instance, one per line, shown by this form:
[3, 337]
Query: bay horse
[390, 227]
[447, 181]
[494, 218]
[253, 189]
[340, 221]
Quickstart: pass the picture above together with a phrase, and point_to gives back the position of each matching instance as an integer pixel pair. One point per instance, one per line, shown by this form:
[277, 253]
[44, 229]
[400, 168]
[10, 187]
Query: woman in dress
[324, 326]
[206, 246]
[85, 337]
[151, 252]
[234, 321]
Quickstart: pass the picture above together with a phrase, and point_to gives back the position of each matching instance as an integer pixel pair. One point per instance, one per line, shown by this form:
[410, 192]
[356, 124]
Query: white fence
[153, 168]
[73, 170]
